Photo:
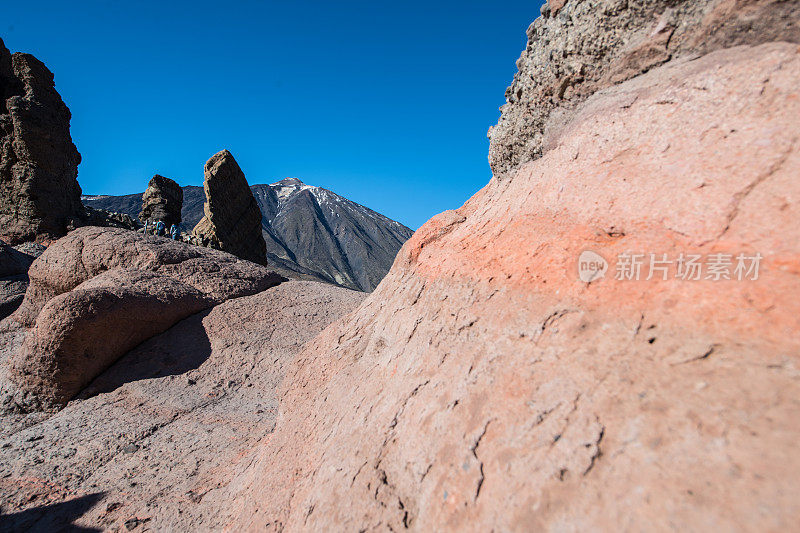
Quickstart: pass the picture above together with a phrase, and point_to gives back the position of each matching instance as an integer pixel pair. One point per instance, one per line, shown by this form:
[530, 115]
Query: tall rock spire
[232, 219]
[39, 193]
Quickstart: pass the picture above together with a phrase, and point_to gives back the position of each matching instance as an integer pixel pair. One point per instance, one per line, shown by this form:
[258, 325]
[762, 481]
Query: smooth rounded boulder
[88, 251]
[79, 334]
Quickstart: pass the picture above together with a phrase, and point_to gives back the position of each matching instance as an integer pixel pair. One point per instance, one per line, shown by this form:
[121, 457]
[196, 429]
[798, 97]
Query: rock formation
[87, 252]
[162, 201]
[39, 191]
[310, 232]
[80, 333]
[578, 47]
[195, 401]
[232, 220]
[484, 386]
[97, 293]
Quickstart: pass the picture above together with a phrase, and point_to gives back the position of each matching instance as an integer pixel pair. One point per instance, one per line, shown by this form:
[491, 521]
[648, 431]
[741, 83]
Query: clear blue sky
[386, 103]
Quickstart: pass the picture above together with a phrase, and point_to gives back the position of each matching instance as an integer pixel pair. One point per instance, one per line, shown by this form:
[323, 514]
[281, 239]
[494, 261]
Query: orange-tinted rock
[484, 386]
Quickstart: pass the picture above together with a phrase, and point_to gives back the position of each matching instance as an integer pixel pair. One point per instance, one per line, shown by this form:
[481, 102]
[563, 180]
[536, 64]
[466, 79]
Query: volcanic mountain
[309, 230]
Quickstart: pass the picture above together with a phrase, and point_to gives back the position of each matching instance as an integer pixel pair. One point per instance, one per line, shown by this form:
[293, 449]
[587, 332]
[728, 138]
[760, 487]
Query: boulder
[80, 333]
[39, 193]
[88, 251]
[163, 200]
[232, 219]
[194, 401]
[485, 385]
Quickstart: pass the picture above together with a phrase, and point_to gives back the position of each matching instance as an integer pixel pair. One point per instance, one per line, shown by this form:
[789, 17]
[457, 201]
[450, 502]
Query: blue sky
[386, 103]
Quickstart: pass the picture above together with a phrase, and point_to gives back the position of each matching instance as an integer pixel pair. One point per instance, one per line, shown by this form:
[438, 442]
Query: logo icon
[591, 266]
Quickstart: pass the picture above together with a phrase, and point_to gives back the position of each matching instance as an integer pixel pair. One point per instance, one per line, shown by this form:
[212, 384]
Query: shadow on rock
[54, 517]
[181, 348]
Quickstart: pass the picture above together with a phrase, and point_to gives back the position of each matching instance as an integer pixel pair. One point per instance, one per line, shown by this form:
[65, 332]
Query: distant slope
[308, 230]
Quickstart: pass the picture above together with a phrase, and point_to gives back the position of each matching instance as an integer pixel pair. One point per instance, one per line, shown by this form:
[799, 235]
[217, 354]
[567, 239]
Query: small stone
[130, 448]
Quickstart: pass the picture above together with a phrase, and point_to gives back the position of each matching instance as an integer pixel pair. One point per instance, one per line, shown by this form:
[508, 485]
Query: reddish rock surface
[581, 46]
[156, 439]
[484, 386]
[88, 251]
[80, 333]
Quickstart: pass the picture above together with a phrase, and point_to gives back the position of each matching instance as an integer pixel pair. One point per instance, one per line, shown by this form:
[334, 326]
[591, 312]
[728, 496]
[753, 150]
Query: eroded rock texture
[578, 47]
[39, 192]
[87, 252]
[232, 219]
[155, 440]
[484, 386]
[80, 333]
[162, 201]
[97, 293]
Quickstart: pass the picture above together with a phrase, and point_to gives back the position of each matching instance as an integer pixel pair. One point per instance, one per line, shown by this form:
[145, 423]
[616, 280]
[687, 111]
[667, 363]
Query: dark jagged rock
[162, 201]
[108, 219]
[39, 193]
[232, 220]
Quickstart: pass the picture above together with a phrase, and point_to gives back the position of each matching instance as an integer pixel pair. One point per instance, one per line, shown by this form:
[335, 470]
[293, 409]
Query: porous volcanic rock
[232, 219]
[162, 201]
[484, 386]
[163, 431]
[80, 333]
[580, 46]
[88, 251]
[39, 192]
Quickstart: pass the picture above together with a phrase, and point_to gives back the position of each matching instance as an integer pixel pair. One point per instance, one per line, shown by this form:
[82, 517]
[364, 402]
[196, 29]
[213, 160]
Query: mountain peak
[289, 182]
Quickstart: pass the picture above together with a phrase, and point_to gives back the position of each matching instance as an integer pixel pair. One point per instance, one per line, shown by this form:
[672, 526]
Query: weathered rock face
[484, 386]
[162, 201]
[97, 293]
[175, 417]
[232, 219]
[89, 251]
[39, 192]
[578, 47]
[80, 333]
